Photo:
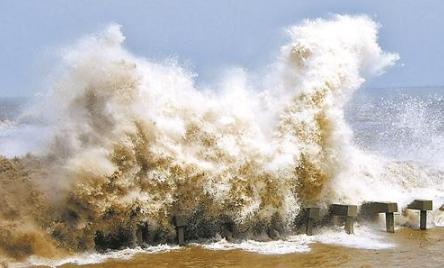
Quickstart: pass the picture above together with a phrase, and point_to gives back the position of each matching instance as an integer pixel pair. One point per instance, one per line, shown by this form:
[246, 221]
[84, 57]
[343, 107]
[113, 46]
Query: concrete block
[180, 220]
[369, 211]
[227, 234]
[181, 236]
[421, 204]
[423, 220]
[349, 221]
[348, 211]
[309, 226]
[344, 210]
[312, 213]
[390, 222]
[379, 207]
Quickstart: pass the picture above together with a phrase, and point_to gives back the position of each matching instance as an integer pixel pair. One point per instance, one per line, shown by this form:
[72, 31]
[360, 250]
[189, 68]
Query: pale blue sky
[209, 35]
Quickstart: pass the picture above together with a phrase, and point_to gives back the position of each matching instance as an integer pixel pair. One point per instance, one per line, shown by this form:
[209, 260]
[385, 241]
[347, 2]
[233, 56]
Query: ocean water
[120, 144]
[10, 108]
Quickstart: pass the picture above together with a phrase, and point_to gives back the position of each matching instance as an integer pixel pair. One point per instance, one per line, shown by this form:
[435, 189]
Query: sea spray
[134, 142]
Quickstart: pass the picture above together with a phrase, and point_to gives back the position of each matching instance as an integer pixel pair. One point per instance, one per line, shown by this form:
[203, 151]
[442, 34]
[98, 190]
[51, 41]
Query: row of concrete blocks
[368, 211]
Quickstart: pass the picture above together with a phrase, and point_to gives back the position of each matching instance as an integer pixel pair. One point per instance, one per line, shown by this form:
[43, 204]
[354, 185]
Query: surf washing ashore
[95, 170]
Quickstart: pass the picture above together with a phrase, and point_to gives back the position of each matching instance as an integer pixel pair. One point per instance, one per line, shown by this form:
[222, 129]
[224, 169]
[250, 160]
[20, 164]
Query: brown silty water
[414, 248]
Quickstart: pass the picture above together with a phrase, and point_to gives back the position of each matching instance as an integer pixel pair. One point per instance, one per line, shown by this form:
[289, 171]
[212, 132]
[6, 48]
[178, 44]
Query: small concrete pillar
[370, 209]
[349, 228]
[349, 212]
[139, 236]
[309, 226]
[311, 216]
[180, 228]
[390, 222]
[423, 220]
[422, 206]
[228, 230]
[227, 235]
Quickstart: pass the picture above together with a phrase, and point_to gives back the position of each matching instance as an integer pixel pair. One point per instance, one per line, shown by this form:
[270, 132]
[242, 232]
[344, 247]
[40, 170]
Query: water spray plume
[134, 142]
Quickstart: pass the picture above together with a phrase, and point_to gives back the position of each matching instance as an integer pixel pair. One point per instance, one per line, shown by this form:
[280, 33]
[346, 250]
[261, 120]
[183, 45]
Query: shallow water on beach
[413, 248]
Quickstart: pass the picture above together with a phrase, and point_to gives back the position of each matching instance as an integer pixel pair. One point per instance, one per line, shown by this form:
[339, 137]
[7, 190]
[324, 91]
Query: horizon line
[363, 87]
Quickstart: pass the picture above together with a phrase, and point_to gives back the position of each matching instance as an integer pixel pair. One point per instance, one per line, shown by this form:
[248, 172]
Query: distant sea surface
[10, 108]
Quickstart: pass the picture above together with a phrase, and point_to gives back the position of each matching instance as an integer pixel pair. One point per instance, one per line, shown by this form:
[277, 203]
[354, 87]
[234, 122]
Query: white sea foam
[364, 238]
[93, 258]
[293, 244]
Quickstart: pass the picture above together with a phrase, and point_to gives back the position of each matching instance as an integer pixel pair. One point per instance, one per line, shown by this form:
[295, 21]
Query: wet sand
[414, 249]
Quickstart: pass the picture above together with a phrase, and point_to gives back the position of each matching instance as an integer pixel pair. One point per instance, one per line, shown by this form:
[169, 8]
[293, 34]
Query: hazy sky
[209, 35]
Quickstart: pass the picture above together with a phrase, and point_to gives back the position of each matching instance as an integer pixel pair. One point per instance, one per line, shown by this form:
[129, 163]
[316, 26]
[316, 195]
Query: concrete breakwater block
[180, 222]
[422, 206]
[370, 210]
[311, 216]
[350, 213]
